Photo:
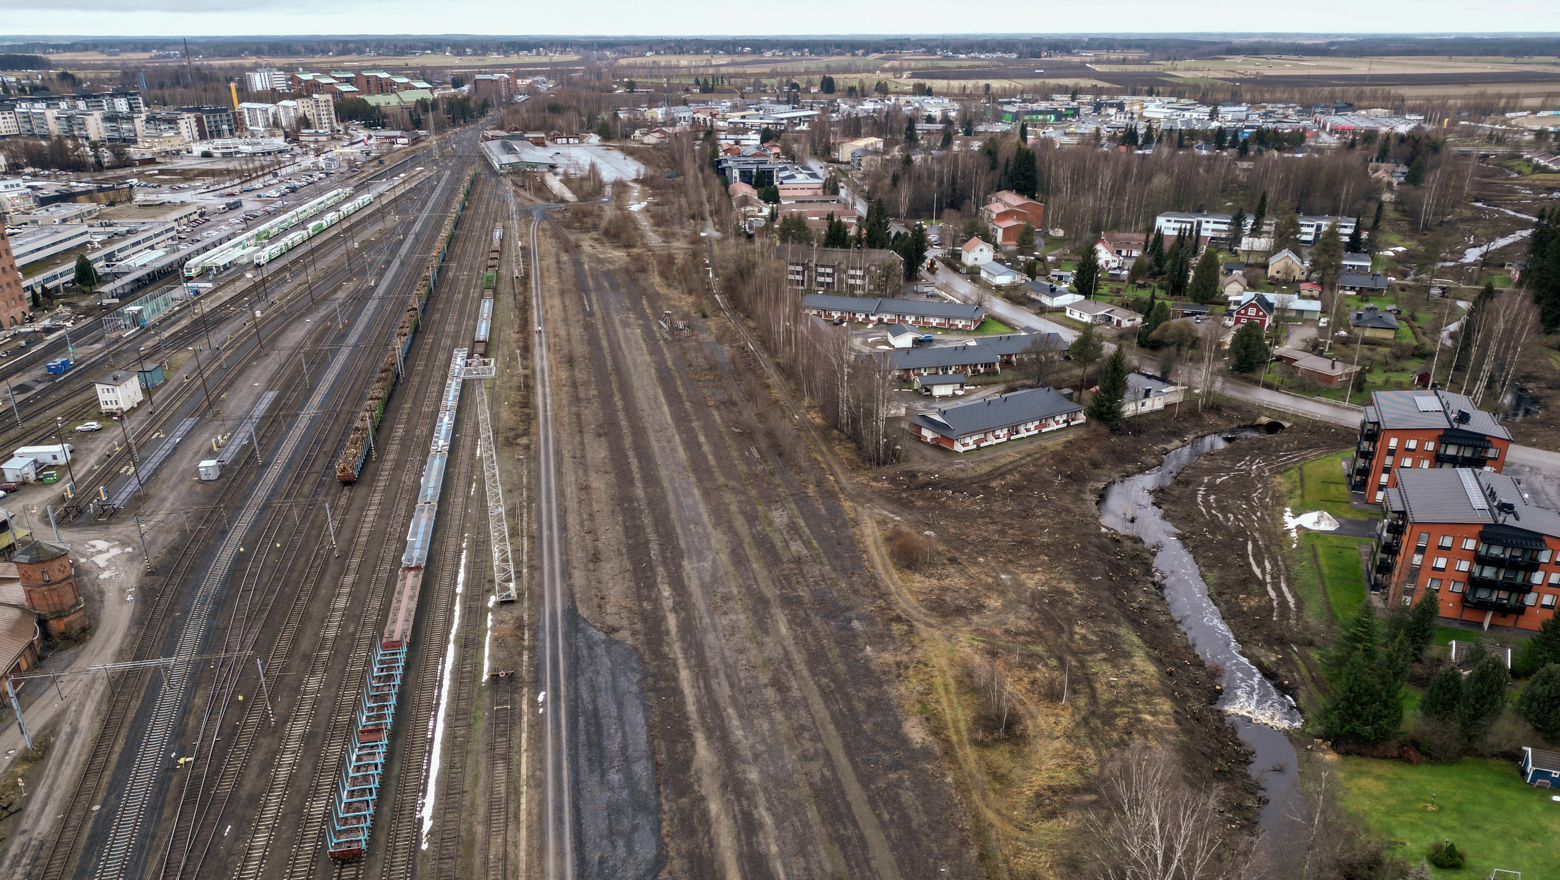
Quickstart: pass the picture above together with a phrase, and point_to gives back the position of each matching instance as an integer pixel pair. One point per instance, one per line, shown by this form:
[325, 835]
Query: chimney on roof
[1335, 363]
[1462, 417]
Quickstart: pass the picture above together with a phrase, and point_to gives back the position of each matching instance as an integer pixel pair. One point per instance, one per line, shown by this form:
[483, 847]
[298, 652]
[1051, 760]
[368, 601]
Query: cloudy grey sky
[706, 17]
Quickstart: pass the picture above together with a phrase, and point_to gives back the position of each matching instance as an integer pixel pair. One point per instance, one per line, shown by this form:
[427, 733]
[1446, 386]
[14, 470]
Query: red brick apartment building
[13, 299]
[1469, 537]
[1422, 429]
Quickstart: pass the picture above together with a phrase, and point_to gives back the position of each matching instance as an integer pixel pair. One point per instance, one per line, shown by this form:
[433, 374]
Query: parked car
[89, 427]
[8, 487]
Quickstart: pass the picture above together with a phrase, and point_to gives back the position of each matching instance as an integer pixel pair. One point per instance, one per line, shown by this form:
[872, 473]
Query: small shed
[151, 376]
[901, 335]
[941, 385]
[1540, 767]
[21, 470]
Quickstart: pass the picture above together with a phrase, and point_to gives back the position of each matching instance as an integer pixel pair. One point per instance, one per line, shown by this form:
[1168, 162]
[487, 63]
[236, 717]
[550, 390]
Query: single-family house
[1146, 393]
[1124, 246]
[1257, 310]
[998, 275]
[1362, 285]
[976, 252]
[1094, 312]
[1289, 305]
[1064, 277]
[1188, 310]
[1310, 290]
[1106, 258]
[119, 391]
[1373, 323]
[941, 384]
[1233, 268]
[1285, 266]
[997, 419]
[1328, 371]
[1540, 767]
[1233, 286]
[1052, 296]
[1356, 263]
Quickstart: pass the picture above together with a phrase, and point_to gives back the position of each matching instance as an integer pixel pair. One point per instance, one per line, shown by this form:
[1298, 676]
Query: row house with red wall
[1405, 430]
[1471, 539]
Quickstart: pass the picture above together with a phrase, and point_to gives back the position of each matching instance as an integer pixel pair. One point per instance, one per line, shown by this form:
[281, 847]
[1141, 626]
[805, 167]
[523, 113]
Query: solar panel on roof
[1427, 403]
[1471, 486]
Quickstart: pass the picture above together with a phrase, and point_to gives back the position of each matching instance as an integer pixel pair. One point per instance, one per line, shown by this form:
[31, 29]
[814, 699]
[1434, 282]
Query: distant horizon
[1212, 36]
[625, 19]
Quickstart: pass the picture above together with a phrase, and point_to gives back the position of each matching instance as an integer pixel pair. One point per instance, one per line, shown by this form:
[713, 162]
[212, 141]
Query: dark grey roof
[38, 551]
[1141, 385]
[1430, 409]
[925, 308]
[1046, 288]
[1189, 308]
[1544, 759]
[987, 350]
[116, 378]
[1373, 319]
[1000, 411]
[943, 379]
[1464, 495]
[1352, 257]
[1375, 280]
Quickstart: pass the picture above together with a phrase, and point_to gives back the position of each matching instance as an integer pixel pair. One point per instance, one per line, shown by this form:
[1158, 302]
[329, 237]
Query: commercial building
[266, 79]
[1407, 430]
[212, 122]
[1471, 538]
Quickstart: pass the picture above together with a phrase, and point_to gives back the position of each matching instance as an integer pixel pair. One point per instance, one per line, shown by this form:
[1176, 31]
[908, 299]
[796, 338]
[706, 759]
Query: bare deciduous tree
[1152, 825]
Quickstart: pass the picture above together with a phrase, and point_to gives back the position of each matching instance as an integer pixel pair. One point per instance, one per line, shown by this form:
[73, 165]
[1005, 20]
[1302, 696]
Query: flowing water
[1258, 710]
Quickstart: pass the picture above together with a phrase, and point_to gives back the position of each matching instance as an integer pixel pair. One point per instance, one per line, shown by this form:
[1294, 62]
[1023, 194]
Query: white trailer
[57, 454]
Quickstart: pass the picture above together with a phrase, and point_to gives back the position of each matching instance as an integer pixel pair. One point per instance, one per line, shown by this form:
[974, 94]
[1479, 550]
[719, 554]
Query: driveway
[1016, 317]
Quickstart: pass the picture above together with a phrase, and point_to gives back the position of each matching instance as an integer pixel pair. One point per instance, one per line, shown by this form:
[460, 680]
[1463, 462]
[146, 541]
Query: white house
[976, 253]
[998, 275]
[1052, 296]
[119, 391]
[1093, 312]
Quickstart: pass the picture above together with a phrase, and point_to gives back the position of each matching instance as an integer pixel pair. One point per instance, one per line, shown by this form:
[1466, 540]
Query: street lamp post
[59, 434]
[200, 370]
[135, 464]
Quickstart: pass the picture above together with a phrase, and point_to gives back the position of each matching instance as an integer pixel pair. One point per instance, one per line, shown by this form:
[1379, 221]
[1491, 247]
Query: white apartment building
[267, 79]
[1184, 223]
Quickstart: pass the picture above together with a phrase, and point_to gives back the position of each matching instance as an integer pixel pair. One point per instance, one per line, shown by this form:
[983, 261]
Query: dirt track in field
[702, 538]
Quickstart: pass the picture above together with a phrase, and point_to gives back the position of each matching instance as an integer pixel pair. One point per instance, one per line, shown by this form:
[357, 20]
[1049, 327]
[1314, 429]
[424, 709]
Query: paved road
[1322, 410]
[1016, 317]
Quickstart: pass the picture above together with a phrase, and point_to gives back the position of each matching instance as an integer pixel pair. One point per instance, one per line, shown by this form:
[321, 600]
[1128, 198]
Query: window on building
[1469, 543]
[1445, 542]
[1391, 442]
[1492, 452]
[1424, 540]
[1433, 585]
[1457, 586]
[1429, 445]
[1554, 579]
[1380, 495]
[1439, 564]
[1407, 601]
[1544, 555]
[1463, 565]
[1549, 600]
[1411, 444]
[1408, 462]
[1419, 559]
[1424, 464]
[1530, 599]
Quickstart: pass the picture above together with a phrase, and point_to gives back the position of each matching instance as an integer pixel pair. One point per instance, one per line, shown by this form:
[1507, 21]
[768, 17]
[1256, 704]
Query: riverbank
[1010, 596]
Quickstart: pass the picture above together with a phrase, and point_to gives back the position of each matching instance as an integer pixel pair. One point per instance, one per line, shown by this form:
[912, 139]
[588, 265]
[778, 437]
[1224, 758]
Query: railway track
[90, 788]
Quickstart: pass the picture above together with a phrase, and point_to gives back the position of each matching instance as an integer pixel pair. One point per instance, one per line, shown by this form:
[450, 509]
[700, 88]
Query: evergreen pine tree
[86, 273]
[1026, 239]
[1484, 696]
[1022, 176]
[1220, 139]
[1416, 172]
[1237, 227]
[1420, 631]
[1361, 706]
[1443, 695]
[1357, 239]
[1179, 267]
[1248, 349]
[1105, 406]
[1260, 215]
[1326, 255]
[1023, 132]
[1156, 252]
[1540, 650]
[1204, 287]
[1086, 277]
[876, 225]
[1159, 314]
[1540, 702]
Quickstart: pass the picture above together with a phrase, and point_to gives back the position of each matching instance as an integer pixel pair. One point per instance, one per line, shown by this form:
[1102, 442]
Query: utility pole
[59, 434]
[199, 370]
[135, 466]
[141, 377]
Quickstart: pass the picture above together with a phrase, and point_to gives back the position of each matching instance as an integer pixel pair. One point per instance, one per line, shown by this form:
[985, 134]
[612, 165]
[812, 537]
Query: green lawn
[1326, 567]
[992, 326]
[1482, 806]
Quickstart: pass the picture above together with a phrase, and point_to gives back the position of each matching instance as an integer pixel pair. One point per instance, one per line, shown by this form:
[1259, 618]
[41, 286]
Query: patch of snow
[1315, 521]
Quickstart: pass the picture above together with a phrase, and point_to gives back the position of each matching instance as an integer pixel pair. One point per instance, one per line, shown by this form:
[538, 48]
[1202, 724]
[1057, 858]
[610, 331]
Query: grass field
[1482, 806]
[1326, 567]
[1319, 485]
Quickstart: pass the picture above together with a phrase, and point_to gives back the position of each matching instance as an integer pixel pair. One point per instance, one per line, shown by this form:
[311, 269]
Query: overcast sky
[796, 17]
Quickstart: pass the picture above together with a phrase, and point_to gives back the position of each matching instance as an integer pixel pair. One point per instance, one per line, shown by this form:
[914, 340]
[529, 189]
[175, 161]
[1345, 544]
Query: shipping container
[56, 454]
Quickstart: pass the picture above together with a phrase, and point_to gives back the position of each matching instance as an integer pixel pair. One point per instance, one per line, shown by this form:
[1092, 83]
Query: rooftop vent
[1462, 417]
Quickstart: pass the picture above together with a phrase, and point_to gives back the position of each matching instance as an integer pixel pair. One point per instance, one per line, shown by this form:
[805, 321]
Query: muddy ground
[1000, 560]
[1229, 508]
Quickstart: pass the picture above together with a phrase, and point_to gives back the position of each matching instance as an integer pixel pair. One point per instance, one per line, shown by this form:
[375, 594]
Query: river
[1258, 710]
